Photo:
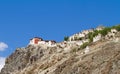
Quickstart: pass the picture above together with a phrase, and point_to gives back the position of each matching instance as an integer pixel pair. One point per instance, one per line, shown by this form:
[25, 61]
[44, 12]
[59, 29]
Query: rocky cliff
[103, 57]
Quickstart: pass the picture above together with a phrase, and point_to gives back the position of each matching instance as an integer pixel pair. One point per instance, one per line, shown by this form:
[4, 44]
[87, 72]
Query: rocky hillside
[103, 57]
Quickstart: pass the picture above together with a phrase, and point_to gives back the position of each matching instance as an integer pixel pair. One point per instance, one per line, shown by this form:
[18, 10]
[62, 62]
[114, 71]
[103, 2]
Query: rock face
[103, 58]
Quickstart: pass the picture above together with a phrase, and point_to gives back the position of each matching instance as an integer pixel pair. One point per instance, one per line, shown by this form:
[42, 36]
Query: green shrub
[91, 39]
[105, 31]
[66, 38]
[74, 50]
[116, 27]
[84, 45]
[90, 36]
[95, 33]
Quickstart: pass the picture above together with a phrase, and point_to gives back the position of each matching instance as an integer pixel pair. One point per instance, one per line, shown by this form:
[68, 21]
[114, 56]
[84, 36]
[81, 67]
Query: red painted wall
[36, 40]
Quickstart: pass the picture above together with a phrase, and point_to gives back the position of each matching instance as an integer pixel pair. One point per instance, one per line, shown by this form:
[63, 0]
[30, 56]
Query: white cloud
[2, 62]
[3, 46]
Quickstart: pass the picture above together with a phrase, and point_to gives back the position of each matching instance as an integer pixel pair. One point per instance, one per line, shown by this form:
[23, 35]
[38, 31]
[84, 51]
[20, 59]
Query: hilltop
[93, 51]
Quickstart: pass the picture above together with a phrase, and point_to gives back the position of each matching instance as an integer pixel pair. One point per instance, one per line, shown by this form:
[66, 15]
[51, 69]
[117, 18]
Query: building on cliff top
[40, 41]
[35, 40]
[100, 28]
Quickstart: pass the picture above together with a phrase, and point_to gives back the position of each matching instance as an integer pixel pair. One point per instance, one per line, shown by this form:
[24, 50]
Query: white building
[63, 44]
[85, 40]
[87, 49]
[97, 38]
[100, 28]
[81, 35]
[79, 43]
[114, 31]
[35, 40]
[72, 38]
[85, 32]
[50, 43]
[40, 41]
[111, 34]
[91, 30]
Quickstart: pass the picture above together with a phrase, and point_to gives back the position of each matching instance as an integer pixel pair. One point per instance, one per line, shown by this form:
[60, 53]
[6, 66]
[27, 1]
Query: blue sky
[21, 20]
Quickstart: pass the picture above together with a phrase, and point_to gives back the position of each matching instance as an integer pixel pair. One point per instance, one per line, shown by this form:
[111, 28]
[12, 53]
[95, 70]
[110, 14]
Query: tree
[90, 36]
[66, 38]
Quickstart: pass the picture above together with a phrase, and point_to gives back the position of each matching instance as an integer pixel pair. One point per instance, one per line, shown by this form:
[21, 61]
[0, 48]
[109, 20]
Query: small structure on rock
[50, 42]
[35, 40]
[87, 49]
[40, 41]
[100, 28]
